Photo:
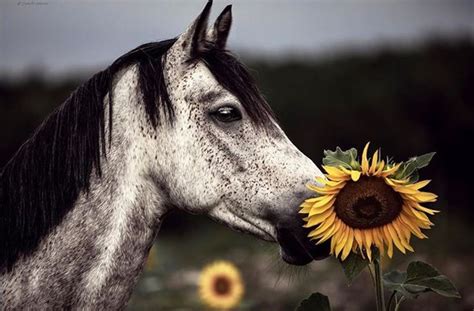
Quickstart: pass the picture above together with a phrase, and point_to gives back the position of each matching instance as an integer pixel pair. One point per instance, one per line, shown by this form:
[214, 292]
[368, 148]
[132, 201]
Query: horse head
[227, 156]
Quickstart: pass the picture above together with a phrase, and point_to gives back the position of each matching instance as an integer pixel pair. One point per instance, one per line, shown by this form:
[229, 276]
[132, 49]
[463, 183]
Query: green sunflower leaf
[424, 160]
[395, 281]
[339, 157]
[419, 278]
[411, 167]
[315, 302]
[353, 266]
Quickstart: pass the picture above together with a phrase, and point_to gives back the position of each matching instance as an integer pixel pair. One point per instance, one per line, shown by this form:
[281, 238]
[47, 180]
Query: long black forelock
[42, 181]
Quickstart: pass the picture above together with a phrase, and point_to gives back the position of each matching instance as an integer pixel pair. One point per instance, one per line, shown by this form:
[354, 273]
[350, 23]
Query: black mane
[42, 181]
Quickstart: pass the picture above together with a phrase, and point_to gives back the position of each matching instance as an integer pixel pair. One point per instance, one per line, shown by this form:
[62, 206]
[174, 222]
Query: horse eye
[227, 114]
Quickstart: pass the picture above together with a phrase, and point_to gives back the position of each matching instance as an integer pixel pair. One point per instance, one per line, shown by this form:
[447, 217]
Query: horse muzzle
[295, 246]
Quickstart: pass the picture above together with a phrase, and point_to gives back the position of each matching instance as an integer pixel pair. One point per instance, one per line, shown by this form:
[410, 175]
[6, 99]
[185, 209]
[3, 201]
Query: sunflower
[220, 285]
[369, 203]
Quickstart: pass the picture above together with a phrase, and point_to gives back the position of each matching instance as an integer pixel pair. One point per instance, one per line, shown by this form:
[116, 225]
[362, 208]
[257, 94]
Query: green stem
[372, 273]
[397, 306]
[389, 304]
[378, 282]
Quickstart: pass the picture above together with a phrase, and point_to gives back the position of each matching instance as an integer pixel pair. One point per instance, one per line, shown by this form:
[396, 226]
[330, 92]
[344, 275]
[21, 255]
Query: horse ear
[219, 33]
[192, 41]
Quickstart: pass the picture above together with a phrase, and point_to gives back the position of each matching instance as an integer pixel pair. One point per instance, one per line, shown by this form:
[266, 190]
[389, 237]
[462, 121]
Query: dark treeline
[407, 102]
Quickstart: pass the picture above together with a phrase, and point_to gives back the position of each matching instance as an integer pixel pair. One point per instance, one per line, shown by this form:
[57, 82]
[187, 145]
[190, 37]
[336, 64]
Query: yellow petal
[390, 171]
[345, 170]
[375, 160]
[402, 230]
[323, 200]
[380, 168]
[355, 175]
[311, 200]
[365, 161]
[368, 251]
[324, 226]
[420, 184]
[342, 240]
[413, 228]
[424, 209]
[319, 209]
[318, 218]
[388, 241]
[395, 237]
[338, 179]
[330, 233]
[323, 190]
[336, 184]
[358, 241]
[305, 209]
[420, 215]
[397, 225]
[336, 237]
[395, 182]
[334, 171]
[321, 180]
[406, 190]
[425, 225]
[348, 245]
[368, 238]
[423, 197]
[400, 181]
[359, 237]
[328, 190]
[377, 234]
[410, 223]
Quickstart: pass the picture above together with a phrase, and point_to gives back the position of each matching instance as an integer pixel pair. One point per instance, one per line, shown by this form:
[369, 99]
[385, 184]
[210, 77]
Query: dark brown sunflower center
[367, 203]
[222, 285]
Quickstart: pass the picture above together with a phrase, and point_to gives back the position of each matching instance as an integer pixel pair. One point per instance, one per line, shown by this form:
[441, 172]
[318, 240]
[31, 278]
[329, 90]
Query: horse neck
[93, 258]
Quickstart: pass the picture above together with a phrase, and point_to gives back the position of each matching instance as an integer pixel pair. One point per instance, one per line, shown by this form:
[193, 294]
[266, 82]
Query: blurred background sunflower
[221, 286]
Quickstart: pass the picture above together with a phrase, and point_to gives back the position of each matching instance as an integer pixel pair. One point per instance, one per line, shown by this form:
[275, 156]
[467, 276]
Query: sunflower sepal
[344, 158]
[409, 169]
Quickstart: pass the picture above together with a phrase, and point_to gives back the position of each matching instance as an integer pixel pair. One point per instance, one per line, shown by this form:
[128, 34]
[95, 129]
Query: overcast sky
[60, 36]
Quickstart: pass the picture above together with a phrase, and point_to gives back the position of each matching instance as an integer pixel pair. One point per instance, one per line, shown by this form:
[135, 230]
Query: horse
[176, 124]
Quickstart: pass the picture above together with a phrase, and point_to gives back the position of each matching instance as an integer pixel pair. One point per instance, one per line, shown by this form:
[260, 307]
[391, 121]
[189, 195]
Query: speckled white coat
[243, 176]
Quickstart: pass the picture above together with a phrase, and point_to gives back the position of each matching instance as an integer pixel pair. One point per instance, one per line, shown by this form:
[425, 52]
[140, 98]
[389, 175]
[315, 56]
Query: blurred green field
[171, 284]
